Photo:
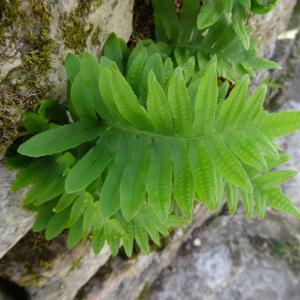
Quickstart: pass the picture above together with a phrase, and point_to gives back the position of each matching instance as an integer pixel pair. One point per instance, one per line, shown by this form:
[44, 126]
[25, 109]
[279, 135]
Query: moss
[75, 28]
[145, 292]
[95, 40]
[76, 264]
[25, 261]
[27, 29]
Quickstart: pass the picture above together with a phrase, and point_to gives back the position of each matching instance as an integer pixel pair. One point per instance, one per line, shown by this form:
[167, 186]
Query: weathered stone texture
[35, 37]
[15, 221]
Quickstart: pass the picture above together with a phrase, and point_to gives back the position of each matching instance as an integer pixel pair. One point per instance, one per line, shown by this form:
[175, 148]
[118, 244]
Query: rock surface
[15, 221]
[48, 270]
[238, 260]
[35, 37]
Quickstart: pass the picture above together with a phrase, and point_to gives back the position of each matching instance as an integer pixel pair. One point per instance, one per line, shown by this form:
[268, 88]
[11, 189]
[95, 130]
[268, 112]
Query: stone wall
[47, 269]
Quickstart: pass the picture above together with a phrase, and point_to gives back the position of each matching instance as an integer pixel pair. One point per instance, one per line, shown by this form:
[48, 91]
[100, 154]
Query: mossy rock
[35, 36]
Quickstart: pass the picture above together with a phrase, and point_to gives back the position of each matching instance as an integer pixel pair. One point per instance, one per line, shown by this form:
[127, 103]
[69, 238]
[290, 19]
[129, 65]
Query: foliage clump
[149, 131]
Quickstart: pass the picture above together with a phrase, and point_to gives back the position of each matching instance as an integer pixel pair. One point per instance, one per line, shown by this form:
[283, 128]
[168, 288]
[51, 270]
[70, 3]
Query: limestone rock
[35, 37]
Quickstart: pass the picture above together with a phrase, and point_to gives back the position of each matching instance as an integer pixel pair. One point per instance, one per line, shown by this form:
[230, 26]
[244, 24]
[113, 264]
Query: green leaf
[45, 214]
[78, 208]
[280, 124]
[277, 200]
[159, 181]
[133, 181]
[248, 202]
[60, 139]
[74, 236]
[246, 4]
[206, 101]
[227, 5]
[57, 224]
[29, 174]
[98, 240]
[34, 123]
[72, 65]
[274, 178]
[209, 14]
[126, 101]
[113, 233]
[110, 193]
[246, 151]
[239, 20]
[204, 174]
[227, 164]
[141, 237]
[187, 21]
[166, 14]
[260, 203]
[136, 64]
[85, 95]
[53, 111]
[263, 7]
[180, 103]
[232, 107]
[232, 198]
[183, 178]
[115, 49]
[158, 107]
[65, 201]
[88, 168]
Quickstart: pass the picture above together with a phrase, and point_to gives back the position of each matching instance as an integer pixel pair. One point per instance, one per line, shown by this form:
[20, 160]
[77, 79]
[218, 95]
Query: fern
[149, 131]
[236, 12]
[135, 172]
[221, 32]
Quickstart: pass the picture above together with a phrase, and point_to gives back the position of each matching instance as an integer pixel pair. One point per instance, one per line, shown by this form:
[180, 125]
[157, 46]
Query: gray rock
[15, 221]
[237, 261]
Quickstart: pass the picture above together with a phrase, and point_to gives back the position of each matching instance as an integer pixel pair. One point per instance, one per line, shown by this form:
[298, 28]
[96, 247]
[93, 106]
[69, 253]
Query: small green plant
[145, 134]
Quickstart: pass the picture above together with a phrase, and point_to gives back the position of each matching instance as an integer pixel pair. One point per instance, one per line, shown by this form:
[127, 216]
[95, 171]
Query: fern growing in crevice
[146, 140]
[149, 131]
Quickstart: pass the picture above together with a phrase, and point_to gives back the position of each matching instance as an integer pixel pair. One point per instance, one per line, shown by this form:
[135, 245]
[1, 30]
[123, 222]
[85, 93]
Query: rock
[35, 37]
[268, 27]
[48, 270]
[15, 221]
[238, 259]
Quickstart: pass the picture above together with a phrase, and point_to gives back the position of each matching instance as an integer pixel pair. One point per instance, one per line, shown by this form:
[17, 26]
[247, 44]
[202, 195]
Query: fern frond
[137, 171]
